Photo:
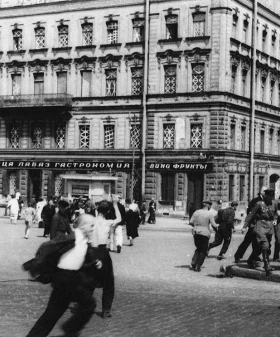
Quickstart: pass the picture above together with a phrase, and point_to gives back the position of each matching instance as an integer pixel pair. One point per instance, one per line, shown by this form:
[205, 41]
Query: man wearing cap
[225, 219]
[60, 223]
[249, 235]
[201, 221]
[264, 214]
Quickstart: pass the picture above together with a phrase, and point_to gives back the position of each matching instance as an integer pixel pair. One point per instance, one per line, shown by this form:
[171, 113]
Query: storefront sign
[180, 166]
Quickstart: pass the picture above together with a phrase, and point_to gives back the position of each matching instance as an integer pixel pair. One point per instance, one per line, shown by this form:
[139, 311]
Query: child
[29, 215]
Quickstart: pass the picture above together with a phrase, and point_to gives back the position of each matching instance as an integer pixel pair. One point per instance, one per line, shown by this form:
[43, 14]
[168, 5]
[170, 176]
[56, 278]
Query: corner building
[71, 99]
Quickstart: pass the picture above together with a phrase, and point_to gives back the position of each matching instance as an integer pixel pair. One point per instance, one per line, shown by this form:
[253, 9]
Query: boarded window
[38, 84]
[62, 83]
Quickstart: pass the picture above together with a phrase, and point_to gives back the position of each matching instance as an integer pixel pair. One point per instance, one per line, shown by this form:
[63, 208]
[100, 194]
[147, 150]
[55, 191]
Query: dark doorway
[35, 184]
[195, 190]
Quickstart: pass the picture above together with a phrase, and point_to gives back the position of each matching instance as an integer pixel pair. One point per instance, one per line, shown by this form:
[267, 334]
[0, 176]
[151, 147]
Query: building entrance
[195, 190]
[35, 184]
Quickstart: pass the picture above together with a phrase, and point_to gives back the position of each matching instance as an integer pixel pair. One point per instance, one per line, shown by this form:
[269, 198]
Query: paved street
[156, 293]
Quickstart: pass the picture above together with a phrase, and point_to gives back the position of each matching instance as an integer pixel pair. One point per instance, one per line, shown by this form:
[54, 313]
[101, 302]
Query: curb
[230, 271]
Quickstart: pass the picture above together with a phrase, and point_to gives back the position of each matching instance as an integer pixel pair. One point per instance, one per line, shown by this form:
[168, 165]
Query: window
[198, 78]
[87, 29]
[58, 185]
[262, 136]
[61, 82]
[261, 182]
[17, 39]
[270, 140]
[112, 32]
[242, 188]
[244, 81]
[196, 136]
[273, 44]
[264, 35]
[86, 83]
[272, 86]
[38, 84]
[243, 138]
[168, 136]
[232, 135]
[167, 186]
[84, 136]
[63, 36]
[199, 24]
[233, 78]
[109, 136]
[137, 81]
[37, 137]
[234, 22]
[245, 26]
[263, 83]
[14, 137]
[16, 84]
[230, 187]
[40, 37]
[12, 183]
[171, 27]
[135, 136]
[111, 82]
[278, 142]
[278, 94]
[60, 133]
[170, 79]
[138, 30]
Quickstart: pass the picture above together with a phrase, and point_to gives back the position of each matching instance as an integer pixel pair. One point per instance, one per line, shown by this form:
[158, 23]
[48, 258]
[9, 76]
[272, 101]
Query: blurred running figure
[29, 215]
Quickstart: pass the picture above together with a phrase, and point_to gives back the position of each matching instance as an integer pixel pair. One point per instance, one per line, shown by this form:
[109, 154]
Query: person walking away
[264, 214]
[152, 211]
[248, 239]
[39, 207]
[14, 209]
[132, 219]
[225, 219]
[201, 221]
[48, 212]
[60, 222]
[29, 215]
[143, 211]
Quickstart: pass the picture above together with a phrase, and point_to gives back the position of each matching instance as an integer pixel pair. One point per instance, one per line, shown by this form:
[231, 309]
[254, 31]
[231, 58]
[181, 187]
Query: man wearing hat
[201, 221]
[60, 223]
[225, 219]
[264, 214]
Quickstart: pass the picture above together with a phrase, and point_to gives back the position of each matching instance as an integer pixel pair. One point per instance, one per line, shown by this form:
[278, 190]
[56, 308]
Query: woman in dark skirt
[132, 219]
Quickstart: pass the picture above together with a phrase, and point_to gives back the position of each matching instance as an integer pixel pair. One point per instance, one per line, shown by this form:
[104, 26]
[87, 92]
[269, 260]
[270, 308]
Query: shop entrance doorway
[35, 184]
[195, 190]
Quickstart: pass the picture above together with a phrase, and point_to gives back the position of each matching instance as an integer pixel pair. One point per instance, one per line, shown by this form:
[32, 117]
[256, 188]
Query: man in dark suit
[47, 214]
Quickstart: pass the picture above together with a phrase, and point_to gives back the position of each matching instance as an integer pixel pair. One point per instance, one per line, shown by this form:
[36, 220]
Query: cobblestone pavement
[156, 293]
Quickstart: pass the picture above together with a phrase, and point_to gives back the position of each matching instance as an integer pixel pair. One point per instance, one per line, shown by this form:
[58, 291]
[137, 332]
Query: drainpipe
[145, 92]
[253, 98]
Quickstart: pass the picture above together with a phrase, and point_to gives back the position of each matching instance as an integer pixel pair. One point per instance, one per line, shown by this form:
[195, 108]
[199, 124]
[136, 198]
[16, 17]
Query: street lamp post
[132, 128]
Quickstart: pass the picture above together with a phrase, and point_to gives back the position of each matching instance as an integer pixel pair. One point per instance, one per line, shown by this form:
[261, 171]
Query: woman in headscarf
[132, 219]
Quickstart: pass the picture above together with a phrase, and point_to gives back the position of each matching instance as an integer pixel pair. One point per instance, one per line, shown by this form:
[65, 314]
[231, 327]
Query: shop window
[243, 138]
[199, 24]
[12, 183]
[135, 136]
[14, 137]
[196, 135]
[167, 186]
[233, 78]
[272, 86]
[38, 84]
[63, 36]
[37, 137]
[111, 82]
[61, 82]
[17, 39]
[169, 136]
[232, 135]
[109, 136]
[198, 78]
[84, 136]
[242, 188]
[171, 27]
[60, 134]
[244, 81]
[40, 37]
[87, 29]
[262, 137]
[231, 187]
[86, 83]
[138, 30]
[137, 81]
[58, 185]
[16, 84]
[170, 79]
[112, 32]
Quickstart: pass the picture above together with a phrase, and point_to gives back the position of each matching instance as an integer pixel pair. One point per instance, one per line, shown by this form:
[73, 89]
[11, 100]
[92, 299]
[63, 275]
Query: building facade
[71, 99]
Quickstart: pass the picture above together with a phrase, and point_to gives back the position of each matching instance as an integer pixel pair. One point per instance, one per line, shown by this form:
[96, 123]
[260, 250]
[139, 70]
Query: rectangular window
[244, 81]
[138, 30]
[135, 136]
[230, 187]
[60, 133]
[242, 188]
[84, 136]
[137, 81]
[62, 36]
[169, 136]
[170, 79]
[233, 78]
[38, 84]
[17, 39]
[264, 34]
[167, 186]
[12, 183]
[198, 78]
[261, 182]
[199, 24]
[263, 83]
[272, 86]
[112, 32]
[58, 185]
[16, 84]
[270, 140]
[243, 138]
[40, 37]
[262, 137]
[171, 27]
[232, 135]
[37, 137]
[196, 135]
[61, 82]
[109, 136]
[278, 142]
[14, 137]
[111, 82]
[86, 83]
[87, 29]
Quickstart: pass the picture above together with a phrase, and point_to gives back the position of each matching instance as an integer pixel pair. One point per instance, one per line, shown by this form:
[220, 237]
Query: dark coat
[226, 217]
[60, 225]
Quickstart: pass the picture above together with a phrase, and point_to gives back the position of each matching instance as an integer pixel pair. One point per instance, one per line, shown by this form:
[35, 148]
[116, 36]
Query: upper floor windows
[232, 135]
[17, 39]
[135, 136]
[14, 137]
[245, 27]
[137, 81]
[16, 84]
[109, 136]
[198, 78]
[40, 37]
[138, 29]
[196, 135]
[169, 136]
[264, 35]
[199, 24]
[170, 79]
[111, 82]
[171, 27]
[233, 78]
[84, 137]
[112, 32]
[37, 136]
[61, 82]
[86, 83]
[60, 134]
[63, 36]
[87, 29]
[38, 84]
